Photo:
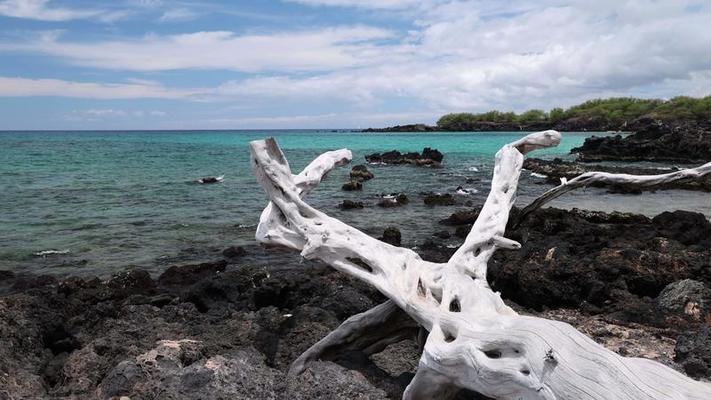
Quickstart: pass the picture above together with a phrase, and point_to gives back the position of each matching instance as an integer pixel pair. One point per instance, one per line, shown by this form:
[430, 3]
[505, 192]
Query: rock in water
[393, 200]
[438, 199]
[352, 185]
[211, 179]
[350, 205]
[361, 173]
[392, 236]
[234, 252]
[428, 157]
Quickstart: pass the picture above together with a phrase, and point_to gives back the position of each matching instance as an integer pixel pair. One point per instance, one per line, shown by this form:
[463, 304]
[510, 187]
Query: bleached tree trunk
[608, 179]
[475, 340]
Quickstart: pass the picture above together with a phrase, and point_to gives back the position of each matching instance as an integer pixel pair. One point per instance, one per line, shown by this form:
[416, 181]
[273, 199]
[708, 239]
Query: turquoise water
[101, 201]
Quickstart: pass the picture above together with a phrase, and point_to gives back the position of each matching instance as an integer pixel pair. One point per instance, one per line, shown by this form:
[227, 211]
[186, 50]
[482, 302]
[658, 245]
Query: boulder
[352, 185]
[431, 157]
[361, 173]
[693, 352]
[393, 200]
[234, 252]
[392, 236]
[438, 199]
[350, 205]
[686, 296]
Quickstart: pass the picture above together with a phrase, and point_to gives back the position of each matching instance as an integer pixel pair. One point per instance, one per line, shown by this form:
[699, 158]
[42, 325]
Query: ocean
[91, 203]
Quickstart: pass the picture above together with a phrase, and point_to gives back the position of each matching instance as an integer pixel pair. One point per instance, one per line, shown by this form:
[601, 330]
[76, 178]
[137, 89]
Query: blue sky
[153, 64]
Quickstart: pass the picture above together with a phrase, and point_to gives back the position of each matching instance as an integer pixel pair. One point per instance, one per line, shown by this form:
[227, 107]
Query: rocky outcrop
[350, 205]
[215, 330]
[439, 199]
[361, 173]
[428, 157]
[652, 141]
[352, 185]
[392, 236]
[553, 170]
[405, 128]
[393, 200]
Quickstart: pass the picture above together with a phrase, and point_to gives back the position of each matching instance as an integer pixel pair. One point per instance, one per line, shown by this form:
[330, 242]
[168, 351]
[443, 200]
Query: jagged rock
[687, 296]
[325, 380]
[391, 235]
[653, 141]
[178, 369]
[684, 226]
[693, 352]
[438, 199]
[350, 205]
[428, 157]
[393, 200]
[234, 252]
[361, 173]
[189, 274]
[462, 217]
[352, 185]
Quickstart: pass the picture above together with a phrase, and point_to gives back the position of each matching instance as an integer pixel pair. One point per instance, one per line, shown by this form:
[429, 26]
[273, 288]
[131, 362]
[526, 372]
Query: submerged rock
[352, 185]
[350, 205]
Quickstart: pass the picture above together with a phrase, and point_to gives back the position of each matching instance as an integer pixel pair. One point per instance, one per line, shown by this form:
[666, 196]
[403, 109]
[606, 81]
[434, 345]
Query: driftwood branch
[475, 341]
[609, 179]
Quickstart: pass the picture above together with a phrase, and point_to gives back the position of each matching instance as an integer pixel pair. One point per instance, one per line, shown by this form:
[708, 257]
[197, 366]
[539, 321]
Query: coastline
[83, 336]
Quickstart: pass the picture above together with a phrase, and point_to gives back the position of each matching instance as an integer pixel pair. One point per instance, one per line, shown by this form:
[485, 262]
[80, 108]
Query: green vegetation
[614, 112]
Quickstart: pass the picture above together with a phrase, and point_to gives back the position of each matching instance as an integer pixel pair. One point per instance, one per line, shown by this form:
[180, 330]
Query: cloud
[178, 14]
[42, 11]
[453, 56]
[22, 87]
[311, 50]
[370, 4]
[104, 114]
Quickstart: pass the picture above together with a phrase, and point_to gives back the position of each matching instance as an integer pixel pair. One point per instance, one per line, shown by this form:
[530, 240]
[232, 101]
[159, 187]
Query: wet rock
[431, 157]
[189, 274]
[352, 185]
[392, 236]
[462, 217]
[234, 252]
[350, 205]
[393, 200]
[687, 296]
[438, 199]
[693, 352]
[361, 173]
[443, 234]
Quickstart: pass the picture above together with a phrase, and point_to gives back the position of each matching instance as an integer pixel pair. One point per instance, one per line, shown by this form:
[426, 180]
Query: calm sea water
[93, 202]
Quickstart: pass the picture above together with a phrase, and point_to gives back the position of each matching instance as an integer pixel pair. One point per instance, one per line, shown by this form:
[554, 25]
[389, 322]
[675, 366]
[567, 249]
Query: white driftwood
[475, 340]
[608, 179]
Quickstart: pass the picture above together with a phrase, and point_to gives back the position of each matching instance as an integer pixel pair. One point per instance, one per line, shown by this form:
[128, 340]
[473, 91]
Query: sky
[253, 64]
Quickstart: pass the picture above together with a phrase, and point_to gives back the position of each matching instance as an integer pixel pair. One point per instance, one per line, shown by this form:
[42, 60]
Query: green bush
[614, 111]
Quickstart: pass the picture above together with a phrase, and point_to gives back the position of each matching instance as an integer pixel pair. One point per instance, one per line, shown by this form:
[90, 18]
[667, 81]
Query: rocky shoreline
[639, 286]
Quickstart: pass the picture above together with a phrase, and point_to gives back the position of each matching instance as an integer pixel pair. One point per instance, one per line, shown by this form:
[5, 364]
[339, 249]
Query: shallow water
[94, 202]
